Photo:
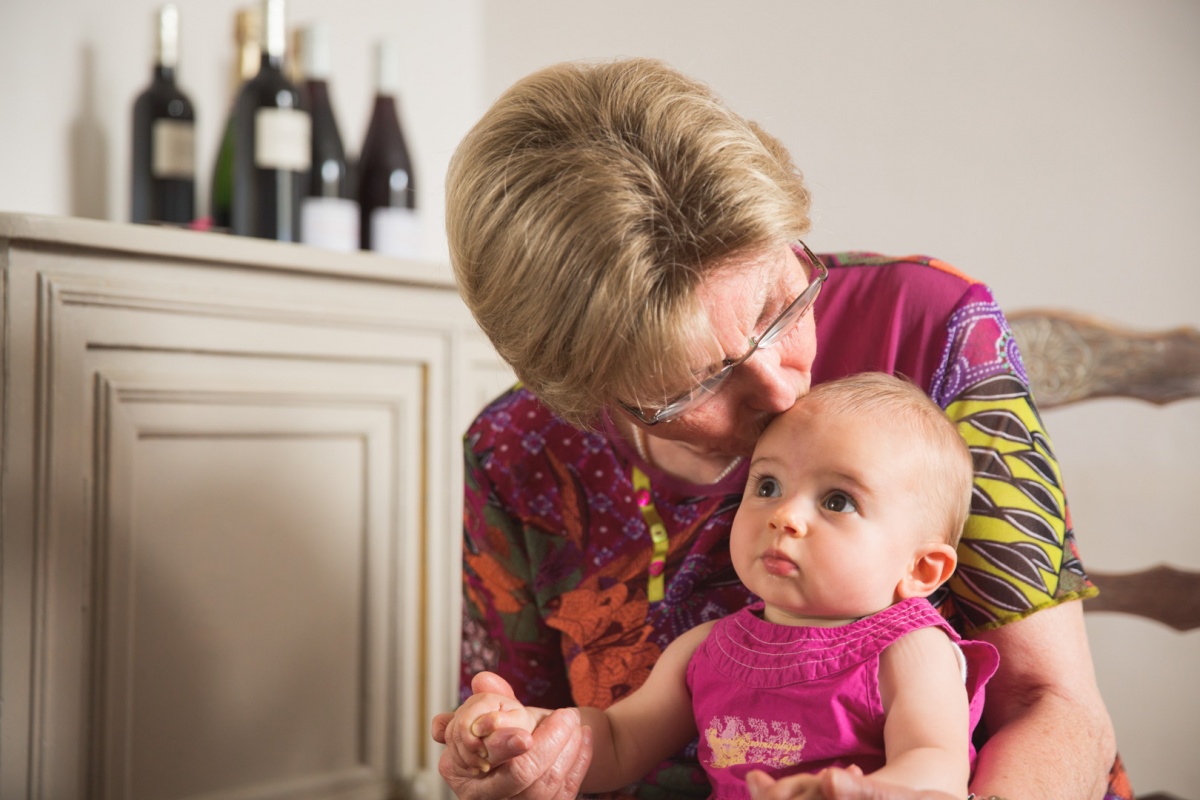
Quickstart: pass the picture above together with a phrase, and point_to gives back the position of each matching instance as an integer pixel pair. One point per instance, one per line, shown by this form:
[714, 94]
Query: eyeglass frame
[702, 391]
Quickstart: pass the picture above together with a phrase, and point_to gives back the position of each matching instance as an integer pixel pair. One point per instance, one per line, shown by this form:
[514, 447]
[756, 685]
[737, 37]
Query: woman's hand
[547, 764]
[794, 787]
[834, 784]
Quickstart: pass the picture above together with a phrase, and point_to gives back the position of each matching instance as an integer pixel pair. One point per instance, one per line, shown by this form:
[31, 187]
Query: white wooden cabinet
[231, 477]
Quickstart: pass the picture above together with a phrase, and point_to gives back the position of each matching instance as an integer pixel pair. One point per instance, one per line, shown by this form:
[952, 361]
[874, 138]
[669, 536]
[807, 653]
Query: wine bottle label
[174, 148]
[329, 222]
[282, 139]
[396, 232]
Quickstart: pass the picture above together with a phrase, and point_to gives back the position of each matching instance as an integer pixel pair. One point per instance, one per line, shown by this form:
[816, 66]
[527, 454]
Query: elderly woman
[633, 249]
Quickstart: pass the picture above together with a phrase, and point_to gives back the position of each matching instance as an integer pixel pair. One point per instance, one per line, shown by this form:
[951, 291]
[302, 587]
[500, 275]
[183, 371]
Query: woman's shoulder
[893, 314]
[869, 261]
[516, 427]
[920, 278]
[513, 414]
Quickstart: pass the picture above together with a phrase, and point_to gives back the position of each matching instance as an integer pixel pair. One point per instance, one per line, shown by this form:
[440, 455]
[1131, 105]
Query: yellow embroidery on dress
[734, 741]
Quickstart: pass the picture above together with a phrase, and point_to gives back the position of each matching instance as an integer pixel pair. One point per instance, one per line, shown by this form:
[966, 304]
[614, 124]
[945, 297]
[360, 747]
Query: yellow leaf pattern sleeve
[1018, 552]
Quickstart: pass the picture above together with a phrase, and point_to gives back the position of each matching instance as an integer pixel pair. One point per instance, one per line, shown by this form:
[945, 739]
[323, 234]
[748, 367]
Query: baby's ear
[932, 565]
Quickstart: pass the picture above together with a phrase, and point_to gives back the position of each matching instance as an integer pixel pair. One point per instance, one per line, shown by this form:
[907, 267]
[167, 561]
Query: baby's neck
[779, 616]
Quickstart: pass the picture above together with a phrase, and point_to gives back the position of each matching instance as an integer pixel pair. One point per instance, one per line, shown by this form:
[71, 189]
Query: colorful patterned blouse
[557, 552]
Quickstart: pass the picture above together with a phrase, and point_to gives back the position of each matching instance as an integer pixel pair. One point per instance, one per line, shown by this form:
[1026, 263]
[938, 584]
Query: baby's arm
[642, 729]
[927, 725]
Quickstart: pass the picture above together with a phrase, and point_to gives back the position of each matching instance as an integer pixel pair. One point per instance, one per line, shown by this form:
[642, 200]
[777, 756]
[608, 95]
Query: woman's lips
[777, 562]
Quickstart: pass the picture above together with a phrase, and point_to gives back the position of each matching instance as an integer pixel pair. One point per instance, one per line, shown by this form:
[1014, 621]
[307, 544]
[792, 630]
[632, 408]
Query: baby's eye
[766, 487]
[839, 502]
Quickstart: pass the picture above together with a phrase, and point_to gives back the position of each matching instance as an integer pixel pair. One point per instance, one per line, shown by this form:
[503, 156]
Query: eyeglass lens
[815, 272]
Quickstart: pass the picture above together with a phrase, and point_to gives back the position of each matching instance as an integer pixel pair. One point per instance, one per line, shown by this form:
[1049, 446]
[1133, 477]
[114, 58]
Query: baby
[855, 502]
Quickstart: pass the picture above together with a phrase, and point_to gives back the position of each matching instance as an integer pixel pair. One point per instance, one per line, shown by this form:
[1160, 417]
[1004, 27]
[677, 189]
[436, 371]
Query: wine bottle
[387, 192]
[328, 217]
[272, 136]
[164, 137]
[247, 33]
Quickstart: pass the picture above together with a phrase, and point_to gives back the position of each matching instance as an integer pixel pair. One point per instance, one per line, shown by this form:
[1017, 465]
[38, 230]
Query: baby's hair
[900, 401]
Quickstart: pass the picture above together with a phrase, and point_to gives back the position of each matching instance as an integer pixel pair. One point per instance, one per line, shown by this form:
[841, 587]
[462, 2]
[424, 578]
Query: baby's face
[832, 516]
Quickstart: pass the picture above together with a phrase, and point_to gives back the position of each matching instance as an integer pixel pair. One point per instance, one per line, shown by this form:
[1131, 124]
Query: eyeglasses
[709, 386]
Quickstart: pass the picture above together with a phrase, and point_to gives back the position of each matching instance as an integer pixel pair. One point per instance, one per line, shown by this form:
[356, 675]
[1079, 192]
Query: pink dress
[788, 699]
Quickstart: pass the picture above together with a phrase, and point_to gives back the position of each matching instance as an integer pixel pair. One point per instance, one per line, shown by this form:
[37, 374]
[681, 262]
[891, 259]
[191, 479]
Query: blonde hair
[586, 207]
[946, 460]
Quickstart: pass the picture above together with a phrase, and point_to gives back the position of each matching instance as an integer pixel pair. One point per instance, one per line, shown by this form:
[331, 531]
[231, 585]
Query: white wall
[71, 69]
[1048, 147]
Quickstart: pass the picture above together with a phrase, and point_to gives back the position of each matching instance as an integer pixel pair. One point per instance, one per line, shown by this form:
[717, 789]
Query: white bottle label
[174, 147]
[282, 139]
[329, 222]
[396, 232]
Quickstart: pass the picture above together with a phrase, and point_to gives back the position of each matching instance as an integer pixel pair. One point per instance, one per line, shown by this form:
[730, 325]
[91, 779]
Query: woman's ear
[932, 565]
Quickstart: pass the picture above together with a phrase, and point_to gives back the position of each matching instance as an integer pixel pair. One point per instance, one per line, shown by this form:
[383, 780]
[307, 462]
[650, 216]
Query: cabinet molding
[231, 514]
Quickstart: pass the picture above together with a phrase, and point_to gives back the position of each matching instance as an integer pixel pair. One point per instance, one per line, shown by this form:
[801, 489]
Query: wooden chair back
[1072, 357]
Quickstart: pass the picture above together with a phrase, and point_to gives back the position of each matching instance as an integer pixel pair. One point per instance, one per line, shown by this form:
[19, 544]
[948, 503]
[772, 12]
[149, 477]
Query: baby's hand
[801, 786]
[484, 718]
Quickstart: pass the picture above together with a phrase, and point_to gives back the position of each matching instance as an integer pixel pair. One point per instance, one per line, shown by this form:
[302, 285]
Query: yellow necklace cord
[658, 534]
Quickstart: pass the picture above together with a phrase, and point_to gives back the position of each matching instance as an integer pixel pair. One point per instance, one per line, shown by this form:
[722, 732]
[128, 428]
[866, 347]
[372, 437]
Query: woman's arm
[503, 632]
[642, 729]
[1017, 583]
[1052, 736]
[503, 626]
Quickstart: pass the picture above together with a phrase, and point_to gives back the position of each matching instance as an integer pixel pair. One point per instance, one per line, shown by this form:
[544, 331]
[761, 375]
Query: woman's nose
[768, 386]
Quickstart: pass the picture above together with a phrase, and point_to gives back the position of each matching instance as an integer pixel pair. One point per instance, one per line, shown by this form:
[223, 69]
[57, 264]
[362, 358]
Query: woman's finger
[562, 778]
[758, 782]
[803, 786]
[840, 784]
[437, 729]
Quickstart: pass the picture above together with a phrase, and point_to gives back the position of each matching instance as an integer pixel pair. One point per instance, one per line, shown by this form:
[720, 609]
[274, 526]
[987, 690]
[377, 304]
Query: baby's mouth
[777, 562]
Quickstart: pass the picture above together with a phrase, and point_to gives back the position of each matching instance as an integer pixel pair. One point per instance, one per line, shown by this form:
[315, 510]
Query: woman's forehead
[742, 291]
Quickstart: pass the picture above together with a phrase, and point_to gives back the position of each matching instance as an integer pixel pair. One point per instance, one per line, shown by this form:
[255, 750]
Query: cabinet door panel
[232, 526]
[245, 550]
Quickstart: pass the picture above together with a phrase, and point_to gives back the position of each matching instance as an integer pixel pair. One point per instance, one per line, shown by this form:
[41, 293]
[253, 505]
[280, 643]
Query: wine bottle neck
[387, 69]
[166, 50]
[274, 30]
[248, 32]
[318, 92]
[313, 55]
[271, 62]
[164, 73]
[249, 60]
